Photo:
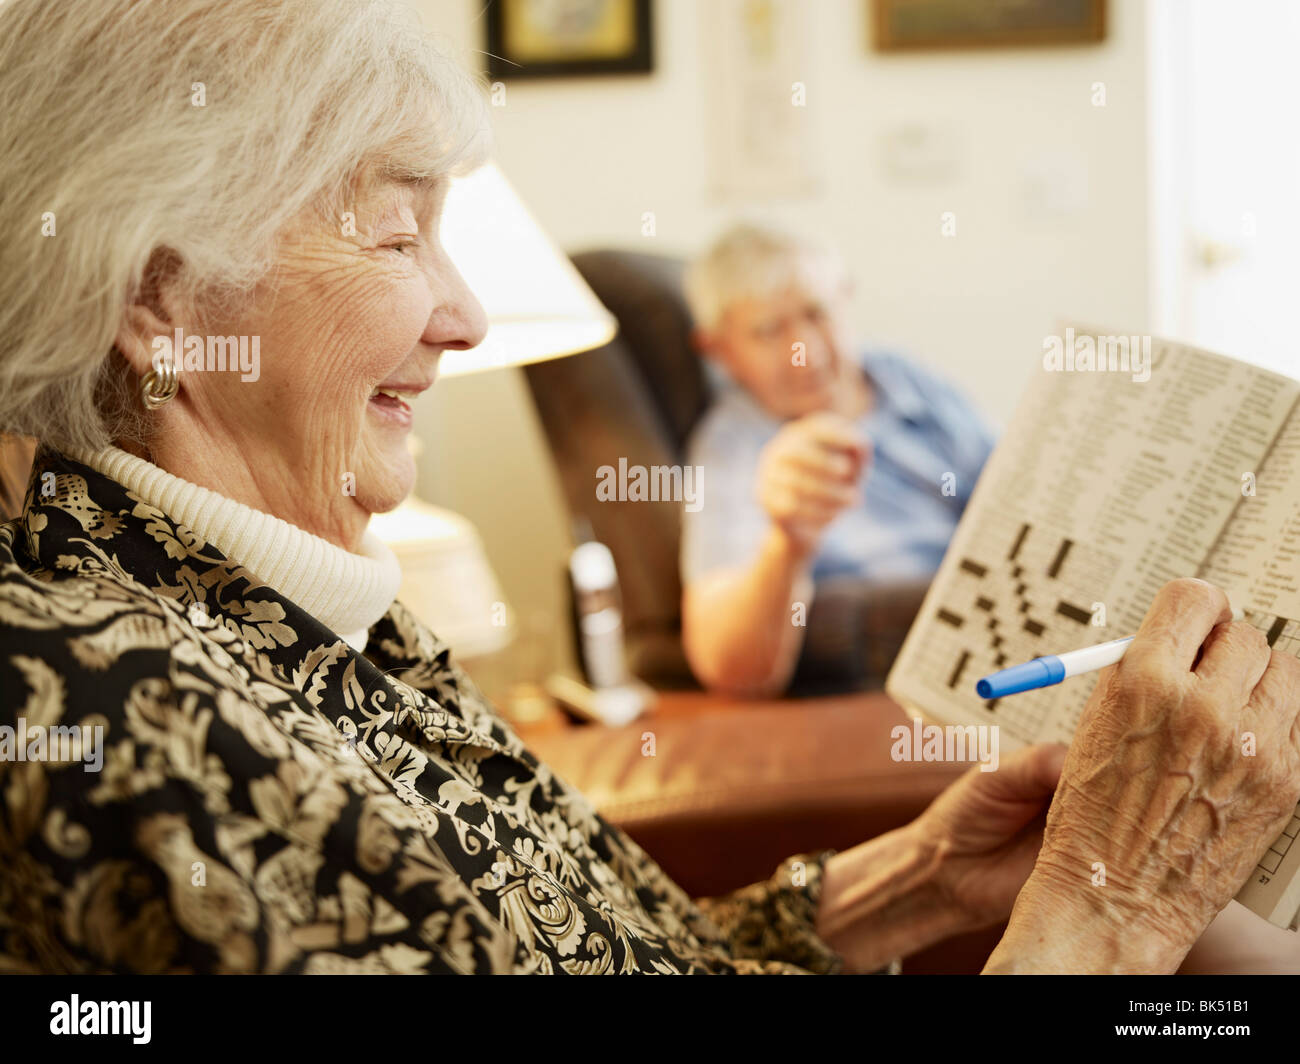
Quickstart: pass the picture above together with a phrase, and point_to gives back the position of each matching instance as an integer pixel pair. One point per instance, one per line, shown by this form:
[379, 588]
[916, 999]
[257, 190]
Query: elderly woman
[241, 755]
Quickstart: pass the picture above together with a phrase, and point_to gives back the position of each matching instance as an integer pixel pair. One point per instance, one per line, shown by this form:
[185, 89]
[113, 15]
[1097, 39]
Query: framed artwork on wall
[916, 25]
[568, 38]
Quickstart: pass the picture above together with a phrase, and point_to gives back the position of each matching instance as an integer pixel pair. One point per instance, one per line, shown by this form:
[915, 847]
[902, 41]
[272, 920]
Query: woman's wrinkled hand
[1184, 769]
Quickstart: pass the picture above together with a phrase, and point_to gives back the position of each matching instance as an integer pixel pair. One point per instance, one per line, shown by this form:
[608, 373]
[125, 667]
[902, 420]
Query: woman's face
[351, 322]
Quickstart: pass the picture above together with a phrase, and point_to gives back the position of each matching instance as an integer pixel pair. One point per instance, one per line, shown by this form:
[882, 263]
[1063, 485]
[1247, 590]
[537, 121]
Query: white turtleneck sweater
[344, 591]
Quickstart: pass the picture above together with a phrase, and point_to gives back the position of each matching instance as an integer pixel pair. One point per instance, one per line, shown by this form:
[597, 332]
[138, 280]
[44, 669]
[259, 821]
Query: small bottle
[599, 611]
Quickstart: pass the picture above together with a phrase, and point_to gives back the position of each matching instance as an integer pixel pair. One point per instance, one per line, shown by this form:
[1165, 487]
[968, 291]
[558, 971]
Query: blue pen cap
[1041, 672]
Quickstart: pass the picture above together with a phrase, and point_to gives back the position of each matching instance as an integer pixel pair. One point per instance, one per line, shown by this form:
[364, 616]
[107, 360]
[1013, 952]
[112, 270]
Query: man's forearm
[738, 626]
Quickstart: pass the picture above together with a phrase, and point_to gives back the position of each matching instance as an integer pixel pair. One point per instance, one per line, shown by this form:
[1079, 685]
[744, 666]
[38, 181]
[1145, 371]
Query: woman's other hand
[988, 826]
[957, 867]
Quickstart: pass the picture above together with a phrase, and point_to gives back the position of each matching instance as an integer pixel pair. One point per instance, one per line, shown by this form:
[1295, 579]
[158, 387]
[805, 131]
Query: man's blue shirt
[920, 428]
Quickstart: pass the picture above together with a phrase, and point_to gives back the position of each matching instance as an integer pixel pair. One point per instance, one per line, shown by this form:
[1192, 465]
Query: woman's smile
[390, 401]
[391, 406]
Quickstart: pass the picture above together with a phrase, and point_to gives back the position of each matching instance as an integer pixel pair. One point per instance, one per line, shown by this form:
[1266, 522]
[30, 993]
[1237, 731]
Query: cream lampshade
[538, 307]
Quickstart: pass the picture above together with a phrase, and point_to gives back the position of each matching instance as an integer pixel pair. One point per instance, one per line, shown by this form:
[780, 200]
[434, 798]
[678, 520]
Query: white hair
[195, 131]
[751, 261]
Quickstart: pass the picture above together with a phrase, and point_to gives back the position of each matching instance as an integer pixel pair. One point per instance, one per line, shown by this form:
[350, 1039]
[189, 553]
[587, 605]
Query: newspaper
[1110, 482]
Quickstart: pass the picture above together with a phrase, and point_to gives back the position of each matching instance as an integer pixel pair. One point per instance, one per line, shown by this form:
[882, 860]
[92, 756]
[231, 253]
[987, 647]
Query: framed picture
[568, 38]
[914, 25]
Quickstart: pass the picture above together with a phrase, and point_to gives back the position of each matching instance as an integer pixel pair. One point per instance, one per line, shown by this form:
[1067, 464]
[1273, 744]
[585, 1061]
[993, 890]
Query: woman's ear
[137, 334]
[151, 314]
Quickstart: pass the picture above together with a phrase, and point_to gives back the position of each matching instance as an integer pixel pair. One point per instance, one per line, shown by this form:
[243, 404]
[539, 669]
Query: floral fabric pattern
[272, 801]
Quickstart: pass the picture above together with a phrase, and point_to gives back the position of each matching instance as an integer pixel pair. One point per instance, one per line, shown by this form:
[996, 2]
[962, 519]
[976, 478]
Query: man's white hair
[108, 139]
[751, 261]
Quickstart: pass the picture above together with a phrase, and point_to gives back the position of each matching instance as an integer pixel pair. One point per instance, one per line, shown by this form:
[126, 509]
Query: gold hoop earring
[160, 384]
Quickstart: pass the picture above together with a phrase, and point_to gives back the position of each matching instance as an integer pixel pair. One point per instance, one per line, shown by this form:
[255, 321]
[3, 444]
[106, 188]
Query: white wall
[1049, 193]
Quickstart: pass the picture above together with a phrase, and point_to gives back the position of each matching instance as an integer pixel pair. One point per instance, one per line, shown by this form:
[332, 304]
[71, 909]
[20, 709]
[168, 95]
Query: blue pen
[1052, 669]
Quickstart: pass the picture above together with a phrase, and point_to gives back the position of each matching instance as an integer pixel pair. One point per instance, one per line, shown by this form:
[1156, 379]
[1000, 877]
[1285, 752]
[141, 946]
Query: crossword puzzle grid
[1020, 592]
[1283, 634]
[1272, 859]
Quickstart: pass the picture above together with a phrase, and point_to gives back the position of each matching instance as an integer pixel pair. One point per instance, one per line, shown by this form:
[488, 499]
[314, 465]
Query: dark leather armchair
[637, 398]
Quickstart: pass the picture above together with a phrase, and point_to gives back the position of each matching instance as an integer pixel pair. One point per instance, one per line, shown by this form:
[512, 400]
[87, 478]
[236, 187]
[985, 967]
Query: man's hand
[1184, 768]
[809, 473]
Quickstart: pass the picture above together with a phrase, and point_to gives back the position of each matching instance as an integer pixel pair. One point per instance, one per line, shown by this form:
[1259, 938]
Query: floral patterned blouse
[270, 800]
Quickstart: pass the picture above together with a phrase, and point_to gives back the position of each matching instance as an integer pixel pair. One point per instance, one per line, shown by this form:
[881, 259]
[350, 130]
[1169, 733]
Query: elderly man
[822, 461]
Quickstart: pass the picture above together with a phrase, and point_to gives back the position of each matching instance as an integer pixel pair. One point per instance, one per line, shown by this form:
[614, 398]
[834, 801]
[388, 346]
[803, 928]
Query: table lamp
[538, 307]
